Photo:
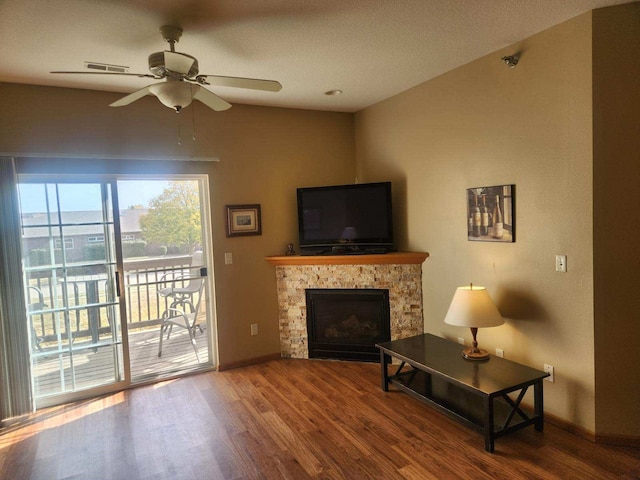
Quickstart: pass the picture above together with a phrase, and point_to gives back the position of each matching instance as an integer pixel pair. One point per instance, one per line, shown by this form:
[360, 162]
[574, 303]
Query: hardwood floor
[290, 419]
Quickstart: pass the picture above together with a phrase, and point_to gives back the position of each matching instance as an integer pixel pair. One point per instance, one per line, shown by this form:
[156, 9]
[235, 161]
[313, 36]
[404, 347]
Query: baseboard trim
[618, 440]
[252, 361]
[599, 438]
[570, 427]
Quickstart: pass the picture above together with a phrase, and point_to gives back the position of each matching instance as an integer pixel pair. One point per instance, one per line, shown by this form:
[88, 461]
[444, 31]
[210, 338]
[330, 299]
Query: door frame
[207, 245]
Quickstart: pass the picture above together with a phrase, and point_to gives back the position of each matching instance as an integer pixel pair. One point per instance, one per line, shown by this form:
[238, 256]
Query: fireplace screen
[347, 323]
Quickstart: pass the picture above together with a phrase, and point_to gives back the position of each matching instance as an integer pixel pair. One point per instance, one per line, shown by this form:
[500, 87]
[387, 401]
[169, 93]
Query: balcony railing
[88, 310]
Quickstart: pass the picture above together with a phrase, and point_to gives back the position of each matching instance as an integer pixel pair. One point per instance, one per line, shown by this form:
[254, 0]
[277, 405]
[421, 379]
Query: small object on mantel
[290, 250]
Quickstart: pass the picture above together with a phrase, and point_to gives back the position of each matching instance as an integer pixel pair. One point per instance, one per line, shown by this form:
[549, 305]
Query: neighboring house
[81, 232]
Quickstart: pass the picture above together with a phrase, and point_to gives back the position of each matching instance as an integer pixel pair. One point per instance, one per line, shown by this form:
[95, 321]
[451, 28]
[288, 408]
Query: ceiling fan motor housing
[157, 66]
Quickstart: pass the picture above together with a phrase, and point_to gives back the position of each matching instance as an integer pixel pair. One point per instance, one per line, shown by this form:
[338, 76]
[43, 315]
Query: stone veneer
[404, 282]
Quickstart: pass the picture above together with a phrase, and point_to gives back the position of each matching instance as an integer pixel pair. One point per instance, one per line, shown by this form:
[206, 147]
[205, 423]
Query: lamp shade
[473, 307]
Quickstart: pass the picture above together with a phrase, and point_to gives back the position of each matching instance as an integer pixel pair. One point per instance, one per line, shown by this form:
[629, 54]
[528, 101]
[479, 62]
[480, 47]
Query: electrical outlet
[561, 263]
[499, 352]
[228, 258]
[254, 329]
[461, 340]
[549, 370]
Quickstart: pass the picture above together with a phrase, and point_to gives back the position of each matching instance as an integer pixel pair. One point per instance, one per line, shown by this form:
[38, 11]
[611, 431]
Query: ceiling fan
[183, 82]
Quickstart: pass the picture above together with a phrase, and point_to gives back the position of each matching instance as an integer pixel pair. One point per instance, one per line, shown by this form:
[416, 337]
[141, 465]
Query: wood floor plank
[286, 419]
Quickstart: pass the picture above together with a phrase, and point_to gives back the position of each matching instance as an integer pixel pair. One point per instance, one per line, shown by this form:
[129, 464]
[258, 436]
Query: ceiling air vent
[105, 67]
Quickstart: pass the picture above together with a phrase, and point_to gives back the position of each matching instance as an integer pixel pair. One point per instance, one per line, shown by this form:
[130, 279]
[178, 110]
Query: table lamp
[472, 307]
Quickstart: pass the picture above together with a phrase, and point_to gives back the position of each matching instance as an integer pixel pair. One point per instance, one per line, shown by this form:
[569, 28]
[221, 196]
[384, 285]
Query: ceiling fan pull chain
[193, 117]
[179, 136]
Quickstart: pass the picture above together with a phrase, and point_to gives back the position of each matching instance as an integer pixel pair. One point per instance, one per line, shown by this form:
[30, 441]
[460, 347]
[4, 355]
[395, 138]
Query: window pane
[73, 312]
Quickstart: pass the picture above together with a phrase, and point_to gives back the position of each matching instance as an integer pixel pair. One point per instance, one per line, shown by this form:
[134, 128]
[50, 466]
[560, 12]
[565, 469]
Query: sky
[139, 192]
[84, 197]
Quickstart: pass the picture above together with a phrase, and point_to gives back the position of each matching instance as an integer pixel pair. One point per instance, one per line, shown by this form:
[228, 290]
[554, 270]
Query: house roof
[83, 223]
[371, 50]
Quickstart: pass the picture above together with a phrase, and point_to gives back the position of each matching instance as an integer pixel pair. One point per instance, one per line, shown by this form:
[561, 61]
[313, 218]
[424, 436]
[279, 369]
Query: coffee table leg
[384, 362]
[538, 408]
[488, 424]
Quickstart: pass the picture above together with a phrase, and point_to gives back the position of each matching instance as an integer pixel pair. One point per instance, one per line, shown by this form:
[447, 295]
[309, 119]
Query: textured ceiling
[370, 49]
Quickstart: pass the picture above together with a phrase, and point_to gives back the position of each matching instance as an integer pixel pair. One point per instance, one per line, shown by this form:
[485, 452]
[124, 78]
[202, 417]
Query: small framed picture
[243, 220]
[491, 214]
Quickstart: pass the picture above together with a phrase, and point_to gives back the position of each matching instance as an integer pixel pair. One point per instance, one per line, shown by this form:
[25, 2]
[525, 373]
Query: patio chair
[180, 289]
[182, 318]
[185, 306]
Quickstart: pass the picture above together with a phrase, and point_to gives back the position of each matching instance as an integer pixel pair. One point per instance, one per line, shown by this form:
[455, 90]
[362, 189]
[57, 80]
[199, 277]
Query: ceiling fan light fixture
[174, 94]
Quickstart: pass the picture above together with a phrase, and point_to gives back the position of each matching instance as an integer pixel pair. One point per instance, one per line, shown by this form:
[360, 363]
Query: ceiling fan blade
[177, 62]
[132, 97]
[239, 82]
[141, 75]
[210, 99]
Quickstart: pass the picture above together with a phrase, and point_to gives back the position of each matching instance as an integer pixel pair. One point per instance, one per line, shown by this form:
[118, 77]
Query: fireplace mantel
[392, 258]
[399, 272]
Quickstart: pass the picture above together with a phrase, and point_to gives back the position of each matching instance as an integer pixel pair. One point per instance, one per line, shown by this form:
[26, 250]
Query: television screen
[345, 219]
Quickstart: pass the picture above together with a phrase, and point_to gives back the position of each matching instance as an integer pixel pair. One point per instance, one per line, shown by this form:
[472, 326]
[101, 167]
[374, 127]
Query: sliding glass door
[116, 281]
[71, 285]
[165, 275]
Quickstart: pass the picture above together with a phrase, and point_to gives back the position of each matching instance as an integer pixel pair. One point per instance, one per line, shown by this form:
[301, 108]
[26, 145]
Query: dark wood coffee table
[474, 393]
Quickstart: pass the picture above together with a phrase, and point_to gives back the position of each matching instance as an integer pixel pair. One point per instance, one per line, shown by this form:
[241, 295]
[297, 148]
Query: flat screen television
[345, 219]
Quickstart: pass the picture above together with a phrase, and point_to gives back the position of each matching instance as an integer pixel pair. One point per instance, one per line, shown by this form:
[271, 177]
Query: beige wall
[265, 153]
[616, 106]
[485, 124]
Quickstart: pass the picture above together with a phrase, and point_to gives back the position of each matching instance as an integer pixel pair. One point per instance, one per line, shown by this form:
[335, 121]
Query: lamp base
[475, 354]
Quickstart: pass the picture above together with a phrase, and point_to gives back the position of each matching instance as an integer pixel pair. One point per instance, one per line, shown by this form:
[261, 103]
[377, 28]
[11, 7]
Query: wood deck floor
[96, 367]
[177, 352]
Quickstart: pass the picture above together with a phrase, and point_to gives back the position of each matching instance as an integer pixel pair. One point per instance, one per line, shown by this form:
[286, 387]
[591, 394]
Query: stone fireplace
[399, 273]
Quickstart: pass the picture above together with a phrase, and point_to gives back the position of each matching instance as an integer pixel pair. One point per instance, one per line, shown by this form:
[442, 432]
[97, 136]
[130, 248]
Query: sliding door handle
[117, 284]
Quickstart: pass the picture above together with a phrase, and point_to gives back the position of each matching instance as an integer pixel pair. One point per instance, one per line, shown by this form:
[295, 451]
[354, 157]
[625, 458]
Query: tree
[174, 217]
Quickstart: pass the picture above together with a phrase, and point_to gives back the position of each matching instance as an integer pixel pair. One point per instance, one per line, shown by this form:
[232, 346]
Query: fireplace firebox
[346, 324]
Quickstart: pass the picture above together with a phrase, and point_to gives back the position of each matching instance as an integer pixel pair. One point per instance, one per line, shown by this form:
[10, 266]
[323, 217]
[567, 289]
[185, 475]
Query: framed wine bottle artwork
[491, 214]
